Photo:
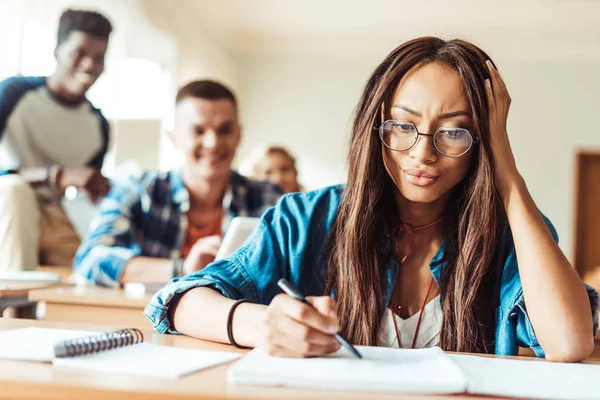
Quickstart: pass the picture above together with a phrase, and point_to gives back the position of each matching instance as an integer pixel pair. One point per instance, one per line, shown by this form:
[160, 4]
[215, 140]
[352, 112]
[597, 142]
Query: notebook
[423, 371]
[534, 379]
[117, 352]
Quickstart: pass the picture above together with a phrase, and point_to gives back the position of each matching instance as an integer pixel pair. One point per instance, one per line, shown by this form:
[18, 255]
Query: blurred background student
[277, 165]
[51, 137]
[163, 225]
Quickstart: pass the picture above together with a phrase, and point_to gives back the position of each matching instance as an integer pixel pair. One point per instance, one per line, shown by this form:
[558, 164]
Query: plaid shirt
[147, 217]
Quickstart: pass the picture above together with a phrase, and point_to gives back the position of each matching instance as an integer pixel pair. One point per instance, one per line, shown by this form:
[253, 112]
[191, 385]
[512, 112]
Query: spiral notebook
[121, 352]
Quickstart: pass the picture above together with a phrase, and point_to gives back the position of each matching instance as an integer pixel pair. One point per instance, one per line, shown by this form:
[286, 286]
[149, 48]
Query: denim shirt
[290, 242]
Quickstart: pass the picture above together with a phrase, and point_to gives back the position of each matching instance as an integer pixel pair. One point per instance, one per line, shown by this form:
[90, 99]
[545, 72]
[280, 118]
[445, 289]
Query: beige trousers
[33, 230]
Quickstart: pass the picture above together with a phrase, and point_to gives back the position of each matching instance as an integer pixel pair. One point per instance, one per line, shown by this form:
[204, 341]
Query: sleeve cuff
[157, 310]
[529, 339]
[525, 334]
[593, 295]
[104, 265]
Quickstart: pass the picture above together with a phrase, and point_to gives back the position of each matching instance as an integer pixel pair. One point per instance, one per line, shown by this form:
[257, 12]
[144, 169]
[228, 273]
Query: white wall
[554, 115]
[306, 102]
[11, 29]
[200, 57]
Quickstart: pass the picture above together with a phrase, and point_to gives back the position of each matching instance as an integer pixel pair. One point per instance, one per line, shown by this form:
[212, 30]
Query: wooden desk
[27, 380]
[16, 293]
[93, 305]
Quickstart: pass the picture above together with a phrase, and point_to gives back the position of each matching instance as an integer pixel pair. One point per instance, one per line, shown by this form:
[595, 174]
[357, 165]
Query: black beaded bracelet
[230, 323]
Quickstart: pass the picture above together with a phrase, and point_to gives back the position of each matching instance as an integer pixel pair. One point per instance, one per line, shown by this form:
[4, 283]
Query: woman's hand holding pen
[293, 329]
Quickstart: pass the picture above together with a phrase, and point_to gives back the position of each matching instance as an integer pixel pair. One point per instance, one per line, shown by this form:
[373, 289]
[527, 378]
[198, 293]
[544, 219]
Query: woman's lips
[419, 177]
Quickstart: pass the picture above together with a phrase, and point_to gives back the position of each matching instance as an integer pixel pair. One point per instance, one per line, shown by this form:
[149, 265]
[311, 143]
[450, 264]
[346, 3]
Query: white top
[41, 131]
[429, 332]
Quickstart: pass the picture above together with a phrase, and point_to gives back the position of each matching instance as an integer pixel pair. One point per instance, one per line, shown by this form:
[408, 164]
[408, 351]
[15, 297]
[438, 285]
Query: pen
[294, 293]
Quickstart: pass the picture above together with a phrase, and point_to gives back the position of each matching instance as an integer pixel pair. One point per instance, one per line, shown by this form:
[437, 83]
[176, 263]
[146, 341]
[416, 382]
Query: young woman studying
[418, 249]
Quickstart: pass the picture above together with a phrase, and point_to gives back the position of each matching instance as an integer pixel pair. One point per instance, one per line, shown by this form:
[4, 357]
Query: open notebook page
[381, 369]
[35, 344]
[149, 360]
[529, 379]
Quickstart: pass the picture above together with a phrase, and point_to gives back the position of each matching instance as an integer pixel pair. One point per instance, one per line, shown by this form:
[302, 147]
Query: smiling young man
[51, 137]
[163, 225]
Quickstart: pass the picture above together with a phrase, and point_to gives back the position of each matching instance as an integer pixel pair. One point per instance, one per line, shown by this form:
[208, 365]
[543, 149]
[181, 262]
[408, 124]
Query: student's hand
[293, 329]
[202, 253]
[84, 177]
[498, 105]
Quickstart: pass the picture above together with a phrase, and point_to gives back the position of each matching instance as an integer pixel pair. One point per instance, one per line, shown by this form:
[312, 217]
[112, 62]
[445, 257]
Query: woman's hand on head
[293, 329]
[498, 106]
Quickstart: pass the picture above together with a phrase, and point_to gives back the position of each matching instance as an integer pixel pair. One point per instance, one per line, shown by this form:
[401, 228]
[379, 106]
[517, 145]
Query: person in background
[278, 166]
[51, 137]
[164, 225]
[434, 240]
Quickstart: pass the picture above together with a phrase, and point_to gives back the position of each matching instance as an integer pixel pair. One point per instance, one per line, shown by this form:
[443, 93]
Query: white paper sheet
[149, 360]
[427, 371]
[37, 344]
[531, 379]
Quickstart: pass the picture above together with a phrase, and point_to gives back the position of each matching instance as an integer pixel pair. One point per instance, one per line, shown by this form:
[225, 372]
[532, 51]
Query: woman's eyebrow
[441, 116]
[455, 114]
[408, 110]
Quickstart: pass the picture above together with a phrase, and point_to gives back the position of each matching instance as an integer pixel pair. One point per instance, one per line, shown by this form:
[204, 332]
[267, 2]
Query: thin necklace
[414, 342]
[410, 231]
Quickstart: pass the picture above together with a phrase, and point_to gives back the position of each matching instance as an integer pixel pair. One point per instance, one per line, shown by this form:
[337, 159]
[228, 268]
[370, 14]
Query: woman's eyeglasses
[401, 136]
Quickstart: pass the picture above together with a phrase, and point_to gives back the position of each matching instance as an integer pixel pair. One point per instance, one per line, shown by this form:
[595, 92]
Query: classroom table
[15, 293]
[27, 380]
[91, 304]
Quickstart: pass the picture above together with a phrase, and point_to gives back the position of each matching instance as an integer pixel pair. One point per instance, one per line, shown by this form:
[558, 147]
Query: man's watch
[178, 267]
